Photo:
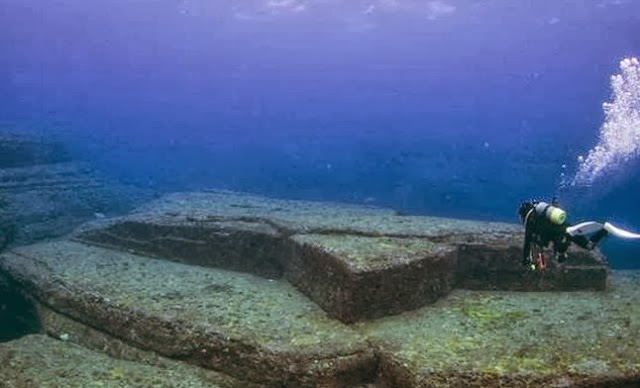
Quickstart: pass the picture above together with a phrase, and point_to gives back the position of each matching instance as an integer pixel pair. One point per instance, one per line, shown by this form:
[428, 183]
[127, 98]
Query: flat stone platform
[41, 361]
[299, 294]
[355, 262]
[516, 339]
[238, 323]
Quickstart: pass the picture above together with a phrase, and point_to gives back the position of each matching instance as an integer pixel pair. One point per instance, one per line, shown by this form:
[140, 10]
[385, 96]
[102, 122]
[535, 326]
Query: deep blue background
[456, 108]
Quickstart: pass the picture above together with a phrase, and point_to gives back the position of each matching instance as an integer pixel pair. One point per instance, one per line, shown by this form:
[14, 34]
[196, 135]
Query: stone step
[515, 339]
[41, 361]
[356, 262]
[357, 277]
[243, 325]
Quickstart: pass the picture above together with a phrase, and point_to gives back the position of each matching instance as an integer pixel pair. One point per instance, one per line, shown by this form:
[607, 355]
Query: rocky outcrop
[283, 293]
[241, 324]
[516, 339]
[45, 194]
[7, 224]
[23, 150]
[42, 361]
[356, 262]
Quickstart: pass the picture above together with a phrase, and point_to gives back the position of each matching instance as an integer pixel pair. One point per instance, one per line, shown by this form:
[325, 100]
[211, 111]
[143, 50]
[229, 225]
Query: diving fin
[583, 228]
[614, 230]
[590, 227]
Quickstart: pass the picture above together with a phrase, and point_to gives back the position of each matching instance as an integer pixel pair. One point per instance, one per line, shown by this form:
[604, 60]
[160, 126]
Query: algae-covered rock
[252, 246]
[356, 262]
[358, 277]
[302, 217]
[41, 361]
[494, 265]
[519, 339]
[45, 193]
[243, 325]
[249, 286]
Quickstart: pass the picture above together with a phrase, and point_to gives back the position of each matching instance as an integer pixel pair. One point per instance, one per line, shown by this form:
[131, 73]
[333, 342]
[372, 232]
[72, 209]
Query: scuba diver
[546, 223]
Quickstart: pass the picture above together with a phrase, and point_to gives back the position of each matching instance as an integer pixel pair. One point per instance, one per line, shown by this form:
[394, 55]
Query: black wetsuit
[540, 231]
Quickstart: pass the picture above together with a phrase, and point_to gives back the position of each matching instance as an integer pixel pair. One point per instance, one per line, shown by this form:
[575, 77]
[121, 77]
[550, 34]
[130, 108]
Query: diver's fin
[590, 227]
[620, 232]
[583, 228]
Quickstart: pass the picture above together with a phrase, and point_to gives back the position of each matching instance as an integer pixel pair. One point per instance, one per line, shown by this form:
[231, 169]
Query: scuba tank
[554, 214]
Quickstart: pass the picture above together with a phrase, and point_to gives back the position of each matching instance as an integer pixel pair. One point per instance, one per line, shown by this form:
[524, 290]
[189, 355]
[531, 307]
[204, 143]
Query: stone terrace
[284, 293]
[355, 262]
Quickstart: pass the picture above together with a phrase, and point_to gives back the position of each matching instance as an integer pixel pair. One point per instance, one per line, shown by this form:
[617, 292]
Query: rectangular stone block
[491, 266]
[355, 277]
[246, 246]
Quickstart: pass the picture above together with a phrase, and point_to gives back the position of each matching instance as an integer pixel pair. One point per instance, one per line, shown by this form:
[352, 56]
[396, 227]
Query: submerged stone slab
[50, 200]
[496, 265]
[358, 277]
[302, 217]
[252, 246]
[41, 361]
[357, 262]
[516, 339]
[243, 325]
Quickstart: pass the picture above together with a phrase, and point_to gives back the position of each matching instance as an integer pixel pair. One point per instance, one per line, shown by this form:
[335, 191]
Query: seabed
[222, 289]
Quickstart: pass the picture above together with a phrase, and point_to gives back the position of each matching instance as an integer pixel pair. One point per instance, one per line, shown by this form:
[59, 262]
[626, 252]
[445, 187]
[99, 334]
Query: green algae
[518, 333]
[483, 315]
[38, 360]
[369, 253]
[242, 307]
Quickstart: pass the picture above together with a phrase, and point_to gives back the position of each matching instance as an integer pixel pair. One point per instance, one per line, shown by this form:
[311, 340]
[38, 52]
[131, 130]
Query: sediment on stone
[355, 278]
[499, 267]
[45, 193]
[245, 326]
[252, 247]
[582, 339]
[355, 262]
[42, 361]
[313, 217]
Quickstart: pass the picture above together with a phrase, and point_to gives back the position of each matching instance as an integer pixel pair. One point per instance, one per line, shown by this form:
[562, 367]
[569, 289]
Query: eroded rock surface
[41, 361]
[241, 324]
[261, 289]
[44, 193]
[516, 339]
[20, 150]
[356, 262]
[357, 277]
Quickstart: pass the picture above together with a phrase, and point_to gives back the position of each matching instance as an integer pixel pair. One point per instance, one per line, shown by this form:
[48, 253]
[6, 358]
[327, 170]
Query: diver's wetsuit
[539, 230]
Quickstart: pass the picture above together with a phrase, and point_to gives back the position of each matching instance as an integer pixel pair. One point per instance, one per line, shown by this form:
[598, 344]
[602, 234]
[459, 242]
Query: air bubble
[619, 139]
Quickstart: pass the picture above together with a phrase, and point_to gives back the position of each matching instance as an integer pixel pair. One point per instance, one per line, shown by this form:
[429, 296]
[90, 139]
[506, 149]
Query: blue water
[453, 108]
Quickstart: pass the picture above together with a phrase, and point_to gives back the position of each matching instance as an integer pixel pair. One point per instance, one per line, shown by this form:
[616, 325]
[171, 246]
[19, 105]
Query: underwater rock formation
[42, 361]
[46, 194]
[356, 262]
[21, 150]
[283, 293]
[7, 224]
[240, 324]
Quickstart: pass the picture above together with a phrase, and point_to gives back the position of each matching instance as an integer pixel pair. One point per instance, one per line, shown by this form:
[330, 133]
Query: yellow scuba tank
[554, 214]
